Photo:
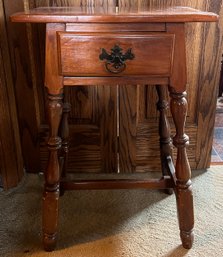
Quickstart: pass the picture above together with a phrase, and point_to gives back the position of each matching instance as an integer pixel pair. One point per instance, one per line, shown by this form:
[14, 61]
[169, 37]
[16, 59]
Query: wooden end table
[91, 46]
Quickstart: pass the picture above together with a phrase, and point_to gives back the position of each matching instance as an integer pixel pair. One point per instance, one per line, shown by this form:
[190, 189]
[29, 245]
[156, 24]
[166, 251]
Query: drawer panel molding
[79, 53]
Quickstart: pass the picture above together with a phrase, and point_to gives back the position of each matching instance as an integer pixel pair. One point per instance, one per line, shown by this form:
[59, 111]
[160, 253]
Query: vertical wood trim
[23, 81]
[27, 5]
[208, 81]
[11, 153]
[107, 106]
[127, 128]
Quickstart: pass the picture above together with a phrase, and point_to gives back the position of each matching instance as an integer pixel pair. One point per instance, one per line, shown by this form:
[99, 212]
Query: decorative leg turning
[184, 194]
[52, 174]
[64, 130]
[164, 132]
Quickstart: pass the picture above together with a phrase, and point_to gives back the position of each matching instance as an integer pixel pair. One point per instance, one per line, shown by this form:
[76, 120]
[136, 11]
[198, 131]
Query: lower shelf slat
[162, 183]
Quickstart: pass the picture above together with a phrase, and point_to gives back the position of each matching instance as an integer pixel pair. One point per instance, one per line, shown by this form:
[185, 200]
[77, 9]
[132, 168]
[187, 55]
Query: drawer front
[94, 54]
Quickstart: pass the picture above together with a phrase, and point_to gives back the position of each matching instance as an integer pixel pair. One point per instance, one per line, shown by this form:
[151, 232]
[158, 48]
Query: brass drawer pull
[116, 60]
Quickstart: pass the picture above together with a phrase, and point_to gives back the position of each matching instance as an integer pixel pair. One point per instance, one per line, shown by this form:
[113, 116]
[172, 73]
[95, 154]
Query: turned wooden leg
[183, 191]
[64, 130]
[164, 132]
[52, 174]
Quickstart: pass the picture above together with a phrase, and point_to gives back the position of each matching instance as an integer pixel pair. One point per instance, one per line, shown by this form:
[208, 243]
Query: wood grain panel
[208, 84]
[25, 83]
[127, 128]
[82, 3]
[89, 107]
[79, 51]
[120, 27]
[11, 161]
[204, 48]
[82, 111]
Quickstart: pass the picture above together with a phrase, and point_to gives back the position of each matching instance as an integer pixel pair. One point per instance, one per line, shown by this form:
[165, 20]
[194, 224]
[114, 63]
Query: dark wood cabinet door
[139, 140]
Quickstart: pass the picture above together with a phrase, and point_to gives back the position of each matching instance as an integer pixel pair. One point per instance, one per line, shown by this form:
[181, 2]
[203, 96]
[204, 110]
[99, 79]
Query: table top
[100, 14]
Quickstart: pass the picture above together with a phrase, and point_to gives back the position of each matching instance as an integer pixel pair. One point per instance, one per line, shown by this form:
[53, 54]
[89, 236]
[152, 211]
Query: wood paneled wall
[95, 110]
[11, 162]
[204, 49]
[103, 3]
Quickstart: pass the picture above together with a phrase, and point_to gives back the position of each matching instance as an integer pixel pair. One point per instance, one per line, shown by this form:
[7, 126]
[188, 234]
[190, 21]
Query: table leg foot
[49, 242]
[187, 239]
[184, 194]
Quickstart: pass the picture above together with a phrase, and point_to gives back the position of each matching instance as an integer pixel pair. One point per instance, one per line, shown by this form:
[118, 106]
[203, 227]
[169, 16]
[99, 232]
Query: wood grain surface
[79, 51]
[93, 145]
[11, 162]
[100, 14]
[204, 47]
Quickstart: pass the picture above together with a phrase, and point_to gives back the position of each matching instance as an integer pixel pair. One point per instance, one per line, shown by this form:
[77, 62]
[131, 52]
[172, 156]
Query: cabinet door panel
[204, 43]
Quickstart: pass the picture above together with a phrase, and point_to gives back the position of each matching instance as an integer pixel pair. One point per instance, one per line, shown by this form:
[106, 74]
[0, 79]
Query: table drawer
[110, 54]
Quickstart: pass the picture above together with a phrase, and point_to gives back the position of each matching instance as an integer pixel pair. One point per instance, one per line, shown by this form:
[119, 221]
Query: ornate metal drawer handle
[116, 60]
